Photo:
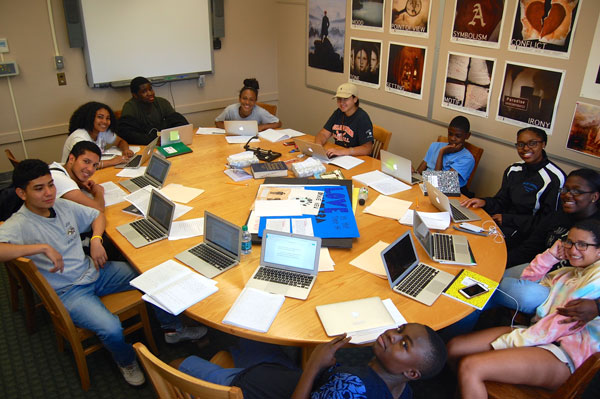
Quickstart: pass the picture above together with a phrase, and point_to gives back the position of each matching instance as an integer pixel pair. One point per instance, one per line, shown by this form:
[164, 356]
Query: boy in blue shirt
[452, 155]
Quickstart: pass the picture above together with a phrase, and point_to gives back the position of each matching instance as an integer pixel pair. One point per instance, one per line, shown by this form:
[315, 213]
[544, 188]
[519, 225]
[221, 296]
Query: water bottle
[246, 240]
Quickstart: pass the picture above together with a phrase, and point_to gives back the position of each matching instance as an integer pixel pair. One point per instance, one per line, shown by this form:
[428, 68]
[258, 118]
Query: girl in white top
[92, 122]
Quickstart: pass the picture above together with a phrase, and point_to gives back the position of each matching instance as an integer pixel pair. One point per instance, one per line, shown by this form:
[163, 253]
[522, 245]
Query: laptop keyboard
[142, 181]
[211, 256]
[443, 246]
[417, 280]
[457, 214]
[147, 230]
[134, 162]
[284, 277]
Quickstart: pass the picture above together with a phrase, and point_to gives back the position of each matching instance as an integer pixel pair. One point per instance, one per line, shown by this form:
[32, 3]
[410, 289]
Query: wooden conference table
[297, 322]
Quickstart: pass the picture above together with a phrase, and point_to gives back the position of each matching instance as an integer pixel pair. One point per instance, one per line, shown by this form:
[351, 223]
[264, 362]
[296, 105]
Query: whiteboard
[151, 38]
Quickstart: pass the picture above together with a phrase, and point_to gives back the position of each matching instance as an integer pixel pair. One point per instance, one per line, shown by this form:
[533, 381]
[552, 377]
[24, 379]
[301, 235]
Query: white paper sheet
[282, 225]
[388, 207]
[210, 130]
[303, 226]
[363, 337]
[186, 229]
[381, 182]
[253, 223]
[277, 208]
[326, 263]
[180, 193]
[346, 161]
[433, 220]
[113, 194]
[254, 310]
[132, 172]
[239, 139]
[141, 198]
[370, 260]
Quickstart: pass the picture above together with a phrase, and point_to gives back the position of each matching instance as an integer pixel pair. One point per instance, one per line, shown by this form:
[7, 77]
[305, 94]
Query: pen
[237, 184]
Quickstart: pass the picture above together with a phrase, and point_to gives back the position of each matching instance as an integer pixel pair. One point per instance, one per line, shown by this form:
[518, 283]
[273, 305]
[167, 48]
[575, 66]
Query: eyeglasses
[574, 192]
[530, 144]
[580, 245]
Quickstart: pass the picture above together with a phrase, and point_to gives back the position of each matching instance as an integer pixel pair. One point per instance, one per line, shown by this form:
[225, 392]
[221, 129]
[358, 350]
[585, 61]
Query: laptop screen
[158, 168]
[422, 232]
[160, 210]
[292, 251]
[221, 234]
[400, 257]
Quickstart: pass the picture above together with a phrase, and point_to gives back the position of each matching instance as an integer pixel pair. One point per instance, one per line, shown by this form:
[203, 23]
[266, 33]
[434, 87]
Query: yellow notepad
[466, 278]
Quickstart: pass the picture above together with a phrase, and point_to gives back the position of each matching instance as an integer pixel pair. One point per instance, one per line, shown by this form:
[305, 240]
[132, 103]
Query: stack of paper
[113, 194]
[186, 229]
[180, 193]
[381, 182]
[370, 260]
[240, 139]
[254, 310]
[273, 135]
[173, 287]
[388, 207]
[346, 161]
[433, 220]
[141, 199]
[129, 172]
[210, 130]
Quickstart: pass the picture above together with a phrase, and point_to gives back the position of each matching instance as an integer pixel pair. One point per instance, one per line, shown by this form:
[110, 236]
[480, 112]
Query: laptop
[179, 134]
[353, 316]
[444, 180]
[155, 175]
[139, 159]
[220, 251]
[312, 150]
[241, 128]
[398, 167]
[458, 212]
[155, 226]
[288, 264]
[443, 248]
[408, 276]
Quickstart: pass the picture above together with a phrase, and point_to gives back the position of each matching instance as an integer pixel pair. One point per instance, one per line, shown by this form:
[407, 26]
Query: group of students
[550, 222]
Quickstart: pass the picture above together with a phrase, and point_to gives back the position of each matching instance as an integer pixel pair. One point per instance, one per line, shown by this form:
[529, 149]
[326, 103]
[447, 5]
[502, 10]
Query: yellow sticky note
[174, 135]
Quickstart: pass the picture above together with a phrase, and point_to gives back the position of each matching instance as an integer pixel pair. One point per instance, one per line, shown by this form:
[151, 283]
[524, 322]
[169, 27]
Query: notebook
[312, 150]
[408, 276]
[139, 159]
[220, 251]
[458, 212]
[288, 264]
[155, 226]
[177, 134]
[445, 180]
[241, 128]
[155, 175]
[173, 149]
[353, 316]
[443, 248]
[398, 167]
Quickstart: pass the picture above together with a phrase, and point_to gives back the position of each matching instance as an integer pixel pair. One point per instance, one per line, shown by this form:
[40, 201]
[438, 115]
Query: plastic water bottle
[246, 240]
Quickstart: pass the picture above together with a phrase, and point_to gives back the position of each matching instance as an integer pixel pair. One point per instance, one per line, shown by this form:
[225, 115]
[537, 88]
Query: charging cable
[493, 231]
[512, 321]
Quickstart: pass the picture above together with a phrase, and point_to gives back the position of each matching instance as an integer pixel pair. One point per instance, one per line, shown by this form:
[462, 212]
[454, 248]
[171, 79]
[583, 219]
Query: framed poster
[365, 69]
[326, 34]
[478, 22]
[406, 69]
[410, 17]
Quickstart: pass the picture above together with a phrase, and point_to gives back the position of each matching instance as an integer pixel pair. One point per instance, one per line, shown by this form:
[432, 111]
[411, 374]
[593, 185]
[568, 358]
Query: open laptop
[155, 226]
[288, 264]
[398, 167]
[139, 159]
[155, 175]
[408, 276]
[458, 212]
[241, 128]
[220, 251]
[443, 248]
[184, 134]
[312, 150]
[353, 316]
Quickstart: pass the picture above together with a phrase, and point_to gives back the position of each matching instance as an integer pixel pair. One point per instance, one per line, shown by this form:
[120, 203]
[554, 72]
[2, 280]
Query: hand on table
[473, 203]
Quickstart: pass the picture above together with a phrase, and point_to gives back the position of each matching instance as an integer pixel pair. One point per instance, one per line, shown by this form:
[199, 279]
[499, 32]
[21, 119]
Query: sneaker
[133, 374]
[185, 334]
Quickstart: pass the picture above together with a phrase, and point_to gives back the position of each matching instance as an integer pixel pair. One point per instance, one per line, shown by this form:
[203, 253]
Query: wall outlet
[62, 79]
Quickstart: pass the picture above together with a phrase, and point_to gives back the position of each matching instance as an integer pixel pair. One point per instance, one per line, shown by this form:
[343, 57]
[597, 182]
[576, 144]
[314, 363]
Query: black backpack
[9, 202]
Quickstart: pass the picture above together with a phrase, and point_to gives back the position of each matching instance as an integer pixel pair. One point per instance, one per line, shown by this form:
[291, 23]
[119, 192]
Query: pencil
[237, 184]
[417, 203]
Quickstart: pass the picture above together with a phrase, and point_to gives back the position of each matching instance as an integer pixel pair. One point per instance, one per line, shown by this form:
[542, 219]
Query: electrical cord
[493, 231]
[512, 321]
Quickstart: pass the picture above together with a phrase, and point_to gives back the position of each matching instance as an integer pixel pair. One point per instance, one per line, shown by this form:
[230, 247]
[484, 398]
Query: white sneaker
[185, 334]
[133, 374]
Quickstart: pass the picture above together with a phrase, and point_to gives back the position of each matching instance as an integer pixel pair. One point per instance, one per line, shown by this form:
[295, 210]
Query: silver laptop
[220, 251]
[241, 128]
[398, 167]
[458, 212]
[185, 135]
[139, 159]
[408, 276]
[155, 226]
[155, 175]
[443, 248]
[353, 316]
[289, 264]
[312, 150]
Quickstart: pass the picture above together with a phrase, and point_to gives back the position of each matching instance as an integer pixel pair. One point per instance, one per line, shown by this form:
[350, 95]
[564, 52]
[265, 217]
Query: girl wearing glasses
[529, 189]
[547, 352]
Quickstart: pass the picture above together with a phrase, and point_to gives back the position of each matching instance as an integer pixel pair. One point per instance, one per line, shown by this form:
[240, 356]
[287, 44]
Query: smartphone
[474, 290]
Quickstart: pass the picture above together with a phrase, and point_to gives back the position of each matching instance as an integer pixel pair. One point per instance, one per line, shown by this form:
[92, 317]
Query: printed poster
[530, 95]
[478, 22]
[326, 34]
[410, 17]
[367, 15]
[406, 69]
[365, 70]
[590, 88]
[545, 27]
[468, 84]
[584, 135]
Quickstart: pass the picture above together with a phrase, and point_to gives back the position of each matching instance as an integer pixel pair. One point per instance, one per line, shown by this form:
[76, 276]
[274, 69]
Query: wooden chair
[118, 114]
[11, 158]
[272, 109]
[473, 149]
[571, 389]
[169, 382]
[123, 304]
[17, 281]
[381, 140]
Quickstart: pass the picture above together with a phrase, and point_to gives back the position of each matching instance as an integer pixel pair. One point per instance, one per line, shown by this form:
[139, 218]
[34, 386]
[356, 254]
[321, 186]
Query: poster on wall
[365, 69]
[584, 136]
[478, 22]
[468, 84]
[590, 88]
[545, 27]
[406, 69]
[367, 15]
[410, 17]
[326, 33]
[529, 96]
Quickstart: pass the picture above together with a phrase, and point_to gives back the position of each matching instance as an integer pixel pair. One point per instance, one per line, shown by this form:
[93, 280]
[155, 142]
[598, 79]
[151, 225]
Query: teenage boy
[46, 230]
[407, 353]
[452, 155]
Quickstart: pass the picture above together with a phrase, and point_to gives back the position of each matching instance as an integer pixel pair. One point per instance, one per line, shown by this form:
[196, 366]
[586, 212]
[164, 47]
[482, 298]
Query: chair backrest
[381, 140]
[473, 149]
[172, 383]
[14, 161]
[269, 107]
[118, 114]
